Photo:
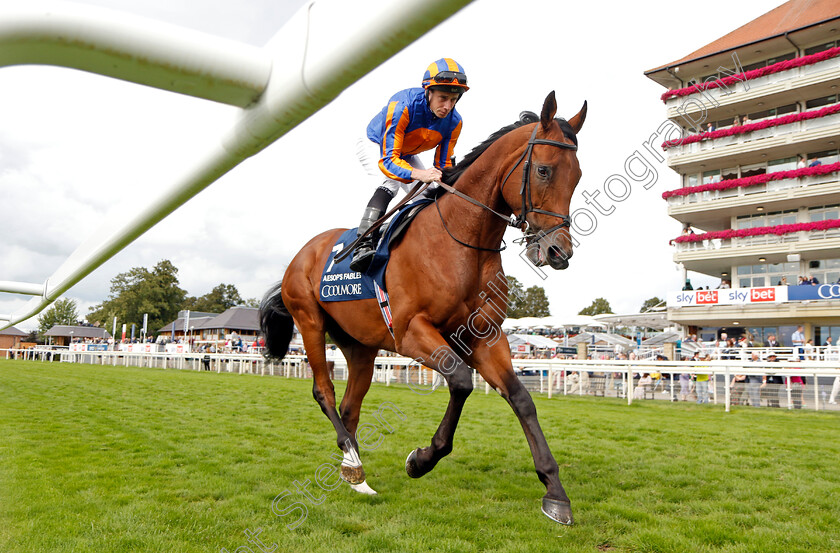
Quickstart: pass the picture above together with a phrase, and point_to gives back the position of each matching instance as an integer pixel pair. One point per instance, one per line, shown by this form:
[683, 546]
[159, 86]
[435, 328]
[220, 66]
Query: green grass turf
[126, 459]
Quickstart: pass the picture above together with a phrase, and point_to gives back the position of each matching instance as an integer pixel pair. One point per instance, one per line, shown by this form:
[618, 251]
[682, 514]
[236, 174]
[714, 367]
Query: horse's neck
[482, 181]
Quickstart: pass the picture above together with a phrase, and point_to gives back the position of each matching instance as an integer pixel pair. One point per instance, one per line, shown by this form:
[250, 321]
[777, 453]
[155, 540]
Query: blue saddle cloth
[340, 283]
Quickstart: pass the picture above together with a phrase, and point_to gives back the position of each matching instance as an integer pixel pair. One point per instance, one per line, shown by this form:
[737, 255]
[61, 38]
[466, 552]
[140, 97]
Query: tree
[526, 303]
[516, 298]
[536, 302]
[140, 291]
[221, 298]
[252, 302]
[62, 312]
[597, 307]
[650, 303]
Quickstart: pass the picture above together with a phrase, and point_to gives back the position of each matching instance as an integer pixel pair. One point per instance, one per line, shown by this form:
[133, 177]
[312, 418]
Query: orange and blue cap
[446, 73]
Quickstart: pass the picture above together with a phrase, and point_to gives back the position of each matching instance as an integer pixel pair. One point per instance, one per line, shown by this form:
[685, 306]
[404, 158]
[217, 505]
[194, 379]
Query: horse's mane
[452, 174]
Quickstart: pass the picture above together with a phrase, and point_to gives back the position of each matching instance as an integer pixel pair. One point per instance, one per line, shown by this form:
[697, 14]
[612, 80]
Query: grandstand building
[758, 197]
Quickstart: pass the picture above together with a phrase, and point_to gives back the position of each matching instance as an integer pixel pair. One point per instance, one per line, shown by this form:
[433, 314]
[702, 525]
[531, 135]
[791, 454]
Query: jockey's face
[441, 103]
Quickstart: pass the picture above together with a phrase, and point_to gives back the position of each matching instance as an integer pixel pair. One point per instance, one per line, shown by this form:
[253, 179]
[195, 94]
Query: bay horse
[442, 277]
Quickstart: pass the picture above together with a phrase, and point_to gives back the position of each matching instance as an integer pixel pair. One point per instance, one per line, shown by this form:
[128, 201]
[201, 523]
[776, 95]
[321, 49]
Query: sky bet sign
[731, 296]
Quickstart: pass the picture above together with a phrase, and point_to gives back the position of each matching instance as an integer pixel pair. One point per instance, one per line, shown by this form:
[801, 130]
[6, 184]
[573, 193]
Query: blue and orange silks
[405, 127]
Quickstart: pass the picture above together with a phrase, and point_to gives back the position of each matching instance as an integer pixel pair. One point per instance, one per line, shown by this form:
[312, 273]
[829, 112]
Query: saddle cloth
[340, 283]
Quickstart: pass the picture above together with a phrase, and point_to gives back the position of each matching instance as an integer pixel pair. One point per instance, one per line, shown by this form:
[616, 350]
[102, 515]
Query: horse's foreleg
[493, 363]
[424, 343]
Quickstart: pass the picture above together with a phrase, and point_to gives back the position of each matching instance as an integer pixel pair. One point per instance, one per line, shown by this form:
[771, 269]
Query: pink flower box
[755, 179]
[758, 231]
[749, 127]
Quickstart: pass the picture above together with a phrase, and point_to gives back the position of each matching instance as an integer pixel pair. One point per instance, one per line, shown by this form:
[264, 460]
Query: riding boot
[363, 254]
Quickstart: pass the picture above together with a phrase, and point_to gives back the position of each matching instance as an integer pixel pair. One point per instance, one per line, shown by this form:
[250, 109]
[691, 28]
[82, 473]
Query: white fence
[551, 377]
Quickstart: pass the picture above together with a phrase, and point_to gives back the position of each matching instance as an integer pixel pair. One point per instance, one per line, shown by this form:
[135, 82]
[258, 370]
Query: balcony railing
[755, 84]
[770, 186]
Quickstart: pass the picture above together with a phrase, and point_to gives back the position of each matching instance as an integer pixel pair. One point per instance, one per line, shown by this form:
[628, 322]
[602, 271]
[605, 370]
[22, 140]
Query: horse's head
[549, 172]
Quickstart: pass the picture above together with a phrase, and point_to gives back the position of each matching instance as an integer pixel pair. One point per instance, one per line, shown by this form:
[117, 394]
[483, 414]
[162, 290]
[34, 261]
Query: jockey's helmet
[445, 74]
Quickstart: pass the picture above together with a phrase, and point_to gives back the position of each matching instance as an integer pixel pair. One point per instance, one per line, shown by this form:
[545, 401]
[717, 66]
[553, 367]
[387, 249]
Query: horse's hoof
[558, 511]
[363, 488]
[353, 475]
[411, 465]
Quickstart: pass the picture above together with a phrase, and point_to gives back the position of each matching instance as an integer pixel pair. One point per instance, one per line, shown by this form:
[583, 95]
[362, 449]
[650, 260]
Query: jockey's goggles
[449, 77]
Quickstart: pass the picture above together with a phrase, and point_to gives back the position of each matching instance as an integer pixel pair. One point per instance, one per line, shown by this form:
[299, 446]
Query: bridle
[520, 220]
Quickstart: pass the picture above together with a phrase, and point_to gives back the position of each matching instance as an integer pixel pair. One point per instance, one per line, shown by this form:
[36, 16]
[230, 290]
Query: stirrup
[362, 258]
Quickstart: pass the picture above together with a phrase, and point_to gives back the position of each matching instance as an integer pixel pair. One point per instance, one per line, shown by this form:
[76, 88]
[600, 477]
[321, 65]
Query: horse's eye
[543, 172]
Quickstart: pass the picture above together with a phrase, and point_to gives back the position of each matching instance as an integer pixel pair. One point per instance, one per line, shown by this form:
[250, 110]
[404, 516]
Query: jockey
[414, 121]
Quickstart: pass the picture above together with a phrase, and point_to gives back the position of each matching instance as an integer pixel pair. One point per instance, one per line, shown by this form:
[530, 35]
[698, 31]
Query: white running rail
[324, 48]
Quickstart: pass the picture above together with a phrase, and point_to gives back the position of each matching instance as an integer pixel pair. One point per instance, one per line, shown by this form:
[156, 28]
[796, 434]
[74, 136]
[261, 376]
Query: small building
[10, 338]
[244, 321]
[63, 335]
[213, 327]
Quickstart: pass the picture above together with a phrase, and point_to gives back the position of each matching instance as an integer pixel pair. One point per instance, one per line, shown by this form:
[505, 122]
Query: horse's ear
[549, 110]
[576, 122]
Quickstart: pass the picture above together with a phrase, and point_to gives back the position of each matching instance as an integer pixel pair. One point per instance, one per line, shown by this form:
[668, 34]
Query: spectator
[809, 350]
[644, 385]
[721, 345]
[724, 284]
[812, 280]
[796, 384]
[746, 120]
[737, 387]
[702, 384]
[736, 122]
[685, 385]
[688, 285]
[801, 164]
[770, 385]
[710, 127]
[798, 342]
[772, 342]
[783, 282]
[753, 383]
[815, 163]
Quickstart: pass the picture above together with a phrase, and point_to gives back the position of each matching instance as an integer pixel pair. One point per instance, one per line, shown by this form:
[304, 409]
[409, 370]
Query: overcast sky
[73, 146]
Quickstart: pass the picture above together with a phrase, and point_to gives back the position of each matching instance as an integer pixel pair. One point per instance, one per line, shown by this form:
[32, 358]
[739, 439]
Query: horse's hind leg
[360, 360]
[311, 321]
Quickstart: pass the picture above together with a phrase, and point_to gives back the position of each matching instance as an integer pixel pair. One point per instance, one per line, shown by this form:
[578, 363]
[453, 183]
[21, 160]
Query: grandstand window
[784, 57]
[826, 156]
[819, 102]
[691, 180]
[756, 65]
[819, 48]
[824, 213]
[766, 274]
[783, 164]
[711, 176]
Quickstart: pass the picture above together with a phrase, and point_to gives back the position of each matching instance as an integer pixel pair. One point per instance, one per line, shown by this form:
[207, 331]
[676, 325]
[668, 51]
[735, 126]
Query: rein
[525, 192]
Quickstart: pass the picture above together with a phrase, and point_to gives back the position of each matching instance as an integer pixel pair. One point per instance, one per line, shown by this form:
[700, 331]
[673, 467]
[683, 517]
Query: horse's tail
[276, 323]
